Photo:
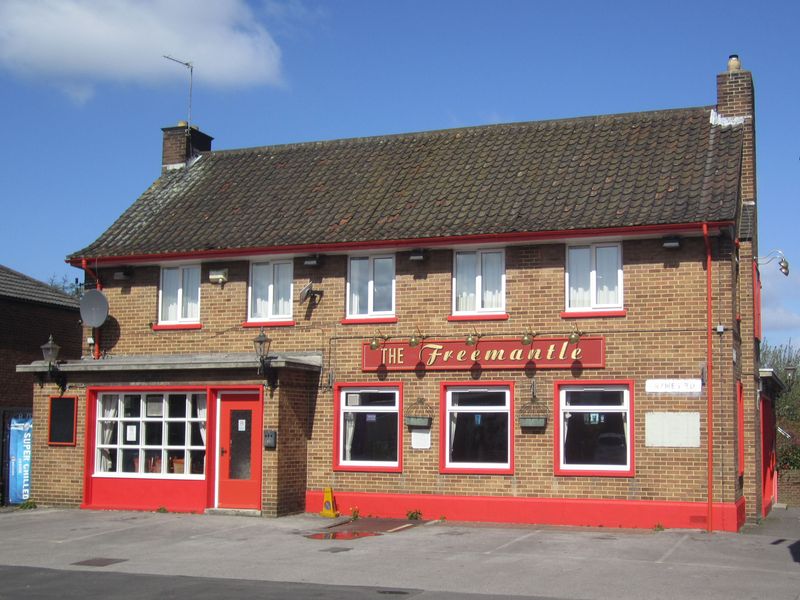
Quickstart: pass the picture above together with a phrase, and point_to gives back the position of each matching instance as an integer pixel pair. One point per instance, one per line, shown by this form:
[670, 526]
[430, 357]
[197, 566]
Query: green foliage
[788, 458]
[27, 505]
[658, 527]
[787, 405]
[354, 513]
[162, 509]
[414, 515]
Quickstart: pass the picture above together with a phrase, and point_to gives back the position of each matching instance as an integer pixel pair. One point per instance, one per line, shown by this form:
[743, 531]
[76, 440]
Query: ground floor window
[476, 428]
[151, 433]
[594, 429]
[368, 431]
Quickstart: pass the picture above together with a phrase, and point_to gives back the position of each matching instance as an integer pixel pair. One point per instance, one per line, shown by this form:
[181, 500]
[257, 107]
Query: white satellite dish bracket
[309, 292]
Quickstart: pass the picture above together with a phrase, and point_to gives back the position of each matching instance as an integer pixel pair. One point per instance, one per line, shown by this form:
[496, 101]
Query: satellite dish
[309, 292]
[306, 292]
[94, 308]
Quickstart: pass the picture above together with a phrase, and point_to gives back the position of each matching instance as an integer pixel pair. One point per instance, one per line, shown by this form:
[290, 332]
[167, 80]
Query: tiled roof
[651, 168]
[21, 287]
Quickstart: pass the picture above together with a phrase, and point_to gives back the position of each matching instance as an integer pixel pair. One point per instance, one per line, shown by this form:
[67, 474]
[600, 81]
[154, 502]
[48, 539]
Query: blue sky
[85, 92]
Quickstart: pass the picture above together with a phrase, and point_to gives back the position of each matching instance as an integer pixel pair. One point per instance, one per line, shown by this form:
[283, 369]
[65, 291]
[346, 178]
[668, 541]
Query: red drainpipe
[709, 380]
[96, 330]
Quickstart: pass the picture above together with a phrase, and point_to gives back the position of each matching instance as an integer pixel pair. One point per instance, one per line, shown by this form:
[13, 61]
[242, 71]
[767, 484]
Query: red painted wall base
[639, 514]
[147, 494]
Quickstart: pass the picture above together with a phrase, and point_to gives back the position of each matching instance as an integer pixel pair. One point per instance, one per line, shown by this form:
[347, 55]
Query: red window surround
[269, 324]
[487, 317]
[176, 327]
[594, 314]
[337, 399]
[557, 470]
[443, 424]
[369, 321]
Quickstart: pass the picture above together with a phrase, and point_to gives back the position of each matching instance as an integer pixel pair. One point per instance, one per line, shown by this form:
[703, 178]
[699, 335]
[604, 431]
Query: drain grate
[99, 562]
[335, 550]
[394, 592]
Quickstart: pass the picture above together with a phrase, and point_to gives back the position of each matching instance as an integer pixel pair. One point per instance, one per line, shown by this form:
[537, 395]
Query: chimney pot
[734, 64]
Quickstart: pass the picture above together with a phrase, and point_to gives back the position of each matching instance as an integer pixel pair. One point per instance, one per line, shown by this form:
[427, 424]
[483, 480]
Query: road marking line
[514, 541]
[674, 547]
[96, 534]
[406, 526]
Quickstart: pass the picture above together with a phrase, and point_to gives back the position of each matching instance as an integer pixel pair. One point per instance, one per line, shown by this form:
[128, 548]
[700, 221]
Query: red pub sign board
[456, 355]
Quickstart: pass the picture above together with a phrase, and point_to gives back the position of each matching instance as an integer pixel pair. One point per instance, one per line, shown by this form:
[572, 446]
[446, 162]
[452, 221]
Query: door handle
[222, 452]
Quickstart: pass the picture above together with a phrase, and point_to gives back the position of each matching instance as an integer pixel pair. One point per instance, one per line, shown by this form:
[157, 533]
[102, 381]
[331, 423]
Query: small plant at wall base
[354, 513]
[27, 505]
[414, 515]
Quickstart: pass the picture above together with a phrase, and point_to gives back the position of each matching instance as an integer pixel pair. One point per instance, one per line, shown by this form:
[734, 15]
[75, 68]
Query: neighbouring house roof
[21, 287]
[649, 168]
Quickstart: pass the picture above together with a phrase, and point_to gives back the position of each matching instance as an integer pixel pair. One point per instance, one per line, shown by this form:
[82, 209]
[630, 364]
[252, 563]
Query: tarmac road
[44, 554]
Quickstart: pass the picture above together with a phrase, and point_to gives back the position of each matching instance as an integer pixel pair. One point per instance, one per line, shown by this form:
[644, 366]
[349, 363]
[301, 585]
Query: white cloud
[78, 43]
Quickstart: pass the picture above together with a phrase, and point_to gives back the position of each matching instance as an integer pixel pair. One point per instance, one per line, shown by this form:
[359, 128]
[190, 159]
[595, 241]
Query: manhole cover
[99, 562]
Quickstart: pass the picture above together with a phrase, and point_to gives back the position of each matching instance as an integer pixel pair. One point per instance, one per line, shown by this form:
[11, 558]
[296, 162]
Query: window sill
[594, 314]
[176, 326]
[474, 471]
[365, 469]
[586, 473]
[368, 320]
[487, 317]
[268, 324]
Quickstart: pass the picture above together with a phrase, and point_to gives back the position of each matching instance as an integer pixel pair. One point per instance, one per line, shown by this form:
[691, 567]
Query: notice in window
[242, 425]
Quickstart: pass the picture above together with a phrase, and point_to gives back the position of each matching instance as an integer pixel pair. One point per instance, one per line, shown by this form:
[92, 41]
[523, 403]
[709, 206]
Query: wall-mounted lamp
[218, 276]
[418, 254]
[527, 337]
[783, 263]
[672, 242]
[126, 274]
[576, 334]
[314, 260]
[472, 338]
[377, 340]
[50, 352]
[790, 372]
[262, 344]
[416, 338]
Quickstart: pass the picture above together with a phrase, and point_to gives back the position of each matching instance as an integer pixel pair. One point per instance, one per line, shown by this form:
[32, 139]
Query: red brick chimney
[181, 144]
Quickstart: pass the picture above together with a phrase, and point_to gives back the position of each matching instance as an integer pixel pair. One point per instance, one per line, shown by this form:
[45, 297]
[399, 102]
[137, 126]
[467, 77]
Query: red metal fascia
[488, 238]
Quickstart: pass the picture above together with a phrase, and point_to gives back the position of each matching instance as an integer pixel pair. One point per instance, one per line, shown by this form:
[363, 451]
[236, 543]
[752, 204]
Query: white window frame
[594, 304]
[180, 269]
[480, 310]
[624, 408]
[371, 313]
[270, 291]
[121, 422]
[344, 408]
[451, 410]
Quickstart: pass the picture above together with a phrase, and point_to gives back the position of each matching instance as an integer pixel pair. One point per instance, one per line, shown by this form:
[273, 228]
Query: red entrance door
[240, 451]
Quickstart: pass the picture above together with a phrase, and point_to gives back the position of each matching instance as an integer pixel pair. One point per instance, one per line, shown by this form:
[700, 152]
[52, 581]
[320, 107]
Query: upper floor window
[270, 294]
[479, 282]
[370, 286]
[179, 296]
[594, 277]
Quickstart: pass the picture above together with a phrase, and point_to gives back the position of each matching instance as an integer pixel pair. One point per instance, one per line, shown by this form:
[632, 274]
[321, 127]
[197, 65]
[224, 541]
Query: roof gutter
[492, 238]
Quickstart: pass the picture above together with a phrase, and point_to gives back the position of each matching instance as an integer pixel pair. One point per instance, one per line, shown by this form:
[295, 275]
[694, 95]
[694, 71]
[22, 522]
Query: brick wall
[25, 327]
[662, 336]
[789, 488]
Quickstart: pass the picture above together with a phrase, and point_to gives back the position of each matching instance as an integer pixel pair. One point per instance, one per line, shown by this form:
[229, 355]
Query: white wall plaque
[673, 386]
[421, 438]
[672, 429]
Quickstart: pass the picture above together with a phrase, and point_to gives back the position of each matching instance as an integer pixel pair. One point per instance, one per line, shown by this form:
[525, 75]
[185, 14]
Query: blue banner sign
[19, 468]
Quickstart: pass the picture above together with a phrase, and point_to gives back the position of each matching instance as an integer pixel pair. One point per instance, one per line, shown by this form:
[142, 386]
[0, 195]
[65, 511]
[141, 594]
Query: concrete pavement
[435, 558]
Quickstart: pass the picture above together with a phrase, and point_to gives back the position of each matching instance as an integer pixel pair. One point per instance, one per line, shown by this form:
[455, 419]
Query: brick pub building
[544, 322]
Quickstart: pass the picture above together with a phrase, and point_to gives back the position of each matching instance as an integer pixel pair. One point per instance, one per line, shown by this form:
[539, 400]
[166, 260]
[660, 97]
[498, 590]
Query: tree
[72, 288]
[780, 357]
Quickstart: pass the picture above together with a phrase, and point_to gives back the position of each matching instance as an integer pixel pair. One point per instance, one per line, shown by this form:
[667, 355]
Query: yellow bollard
[328, 505]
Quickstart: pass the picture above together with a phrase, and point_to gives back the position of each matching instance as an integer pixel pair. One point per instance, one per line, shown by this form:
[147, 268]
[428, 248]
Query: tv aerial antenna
[190, 67]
